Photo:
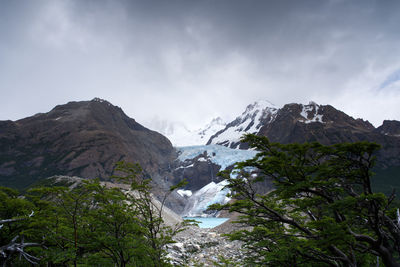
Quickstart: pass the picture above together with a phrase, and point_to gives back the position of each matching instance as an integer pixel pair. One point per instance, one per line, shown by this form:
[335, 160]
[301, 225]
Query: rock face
[83, 139]
[391, 128]
[197, 171]
[312, 122]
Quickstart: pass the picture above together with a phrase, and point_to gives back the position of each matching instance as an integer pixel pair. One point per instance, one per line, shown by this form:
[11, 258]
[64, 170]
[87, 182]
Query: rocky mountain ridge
[250, 121]
[291, 123]
[82, 139]
[310, 123]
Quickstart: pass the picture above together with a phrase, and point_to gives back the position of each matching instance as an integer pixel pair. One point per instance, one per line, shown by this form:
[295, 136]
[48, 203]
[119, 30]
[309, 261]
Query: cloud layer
[190, 61]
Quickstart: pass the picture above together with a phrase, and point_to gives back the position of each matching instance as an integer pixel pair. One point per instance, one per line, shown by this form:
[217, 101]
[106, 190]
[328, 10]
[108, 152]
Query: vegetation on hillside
[90, 224]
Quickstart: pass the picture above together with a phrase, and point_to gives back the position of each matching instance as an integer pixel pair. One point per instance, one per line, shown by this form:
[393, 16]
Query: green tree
[322, 211]
[61, 222]
[104, 224]
[115, 233]
[149, 211]
[15, 213]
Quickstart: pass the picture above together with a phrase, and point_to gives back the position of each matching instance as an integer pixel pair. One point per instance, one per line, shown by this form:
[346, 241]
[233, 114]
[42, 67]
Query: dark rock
[197, 173]
[391, 128]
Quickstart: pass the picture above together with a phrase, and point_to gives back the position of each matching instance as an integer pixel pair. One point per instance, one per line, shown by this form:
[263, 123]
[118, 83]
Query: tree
[15, 213]
[104, 224]
[61, 222]
[322, 211]
[149, 211]
[115, 234]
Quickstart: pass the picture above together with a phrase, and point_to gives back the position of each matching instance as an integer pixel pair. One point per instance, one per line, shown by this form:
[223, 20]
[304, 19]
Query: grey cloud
[172, 59]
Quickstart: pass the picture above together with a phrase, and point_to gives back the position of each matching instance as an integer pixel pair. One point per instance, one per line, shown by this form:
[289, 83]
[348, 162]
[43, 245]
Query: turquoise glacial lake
[209, 222]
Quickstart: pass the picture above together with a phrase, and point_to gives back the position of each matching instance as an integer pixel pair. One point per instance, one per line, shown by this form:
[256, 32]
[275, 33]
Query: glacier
[217, 154]
[211, 193]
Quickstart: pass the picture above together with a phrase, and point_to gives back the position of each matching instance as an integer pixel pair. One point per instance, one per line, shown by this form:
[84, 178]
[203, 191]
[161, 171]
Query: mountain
[87, 138]
[292, 123]
[82, 139]
[252, 119]
[181, 136]
[321, 123]
[309, 123]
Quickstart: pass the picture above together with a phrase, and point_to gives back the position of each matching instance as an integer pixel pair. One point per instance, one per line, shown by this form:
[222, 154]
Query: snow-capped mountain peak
[180, 135]
[259, 105]
[214, 126]
[250, 121]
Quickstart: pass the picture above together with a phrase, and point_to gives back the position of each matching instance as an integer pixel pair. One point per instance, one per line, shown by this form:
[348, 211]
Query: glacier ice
[210, 194]
[220, 155]
[213, 192]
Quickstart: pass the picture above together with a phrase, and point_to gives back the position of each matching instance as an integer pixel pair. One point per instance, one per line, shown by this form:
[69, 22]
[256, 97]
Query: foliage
[92, 223]
[14, 215]
[12, 207]
[322, 211]
[155, 231]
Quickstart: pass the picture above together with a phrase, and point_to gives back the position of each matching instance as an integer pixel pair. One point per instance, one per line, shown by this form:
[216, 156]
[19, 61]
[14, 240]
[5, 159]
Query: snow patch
[185, 167]
[311, 108]
[184, 193]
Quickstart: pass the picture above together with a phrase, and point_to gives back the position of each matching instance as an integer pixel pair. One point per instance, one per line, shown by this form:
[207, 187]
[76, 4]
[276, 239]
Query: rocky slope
[82, 139]
[203, 247]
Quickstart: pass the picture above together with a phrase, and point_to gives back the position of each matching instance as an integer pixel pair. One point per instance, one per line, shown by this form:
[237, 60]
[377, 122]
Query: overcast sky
[190, 61]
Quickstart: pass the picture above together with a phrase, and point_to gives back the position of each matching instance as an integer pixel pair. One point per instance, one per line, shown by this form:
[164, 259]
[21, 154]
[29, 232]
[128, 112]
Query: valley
[85, 139]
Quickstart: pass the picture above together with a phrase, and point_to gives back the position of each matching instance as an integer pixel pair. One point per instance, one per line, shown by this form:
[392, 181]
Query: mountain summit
[292, 123]
[84, 138]
[250, 121]
[181, 136]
